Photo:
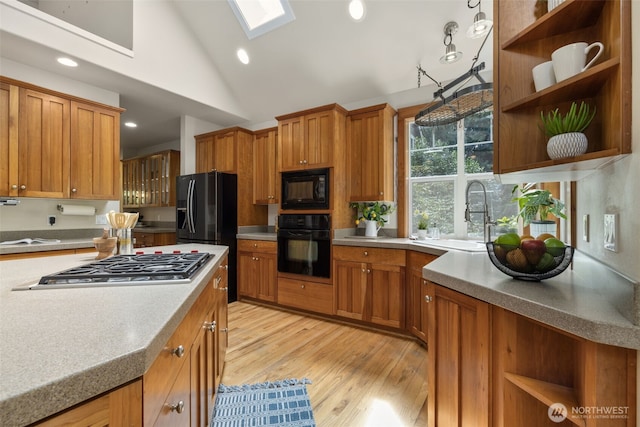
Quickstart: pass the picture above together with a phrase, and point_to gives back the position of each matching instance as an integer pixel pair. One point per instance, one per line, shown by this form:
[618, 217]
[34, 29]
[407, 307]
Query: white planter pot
[422, 234]
[371, 229]
[567, 145]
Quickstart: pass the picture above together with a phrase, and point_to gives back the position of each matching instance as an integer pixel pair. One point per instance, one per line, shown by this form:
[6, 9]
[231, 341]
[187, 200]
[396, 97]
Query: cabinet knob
[224, 267]
[255, 245]
[74, 190]
[300, 162]
[210, 326]
[177, 407]
[302, 286]
[225, 289]
[428, 298]
[304, 161]
[178, 351]
[368, 271]
[225, 330]
[381, 193]
[14, 187]
[366, 253]
[23, 187]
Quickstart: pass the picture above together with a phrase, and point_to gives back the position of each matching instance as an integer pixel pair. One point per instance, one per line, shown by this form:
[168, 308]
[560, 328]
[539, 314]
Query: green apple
[555, 247]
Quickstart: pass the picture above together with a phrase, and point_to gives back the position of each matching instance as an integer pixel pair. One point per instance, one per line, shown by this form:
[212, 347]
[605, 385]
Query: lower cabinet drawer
[311, 296]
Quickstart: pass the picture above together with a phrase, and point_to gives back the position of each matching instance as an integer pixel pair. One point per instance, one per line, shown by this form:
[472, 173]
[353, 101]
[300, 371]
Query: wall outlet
[101, 220]
[51, 220]
[585, 227]
[610, 232]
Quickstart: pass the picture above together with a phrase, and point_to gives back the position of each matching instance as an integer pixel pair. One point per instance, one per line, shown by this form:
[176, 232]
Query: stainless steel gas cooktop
[124, 270]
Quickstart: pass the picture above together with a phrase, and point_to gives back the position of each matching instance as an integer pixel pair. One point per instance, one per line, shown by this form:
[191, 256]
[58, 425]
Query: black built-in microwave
[308, 189]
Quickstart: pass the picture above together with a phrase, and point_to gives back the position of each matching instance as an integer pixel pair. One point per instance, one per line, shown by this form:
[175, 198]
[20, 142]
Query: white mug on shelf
[570, 60]
[543, 75]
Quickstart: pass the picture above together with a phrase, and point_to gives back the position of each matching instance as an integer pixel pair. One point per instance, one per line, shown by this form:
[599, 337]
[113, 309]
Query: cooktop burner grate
[132, 268]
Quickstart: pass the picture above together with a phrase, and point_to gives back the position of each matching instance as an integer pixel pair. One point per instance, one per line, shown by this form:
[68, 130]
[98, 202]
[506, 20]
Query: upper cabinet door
[291, 148]
[204, 153]
[370, 158]
[95, 152]
[224, 152]
[319, 139]
[265, 190]
[9, 110]
[44, 135]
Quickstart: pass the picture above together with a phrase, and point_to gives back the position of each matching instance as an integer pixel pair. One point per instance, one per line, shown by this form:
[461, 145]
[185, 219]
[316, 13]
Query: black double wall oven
[304, 244]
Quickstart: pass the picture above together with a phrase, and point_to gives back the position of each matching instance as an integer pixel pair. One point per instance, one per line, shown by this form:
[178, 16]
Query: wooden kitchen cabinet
[226, 150]
[306, 295]
[417, 294]
[535, 366]
[95, 152]
[458, 337]
[265, 173]
[525, 39]
[150, 181]
[43, 146]
[231, 151]
[119, 407]
[186, 373]
[306, 138]
[142, 239]
[56, 145]
[257, 269]
[369, 284]
[370, 153]
[9, 111]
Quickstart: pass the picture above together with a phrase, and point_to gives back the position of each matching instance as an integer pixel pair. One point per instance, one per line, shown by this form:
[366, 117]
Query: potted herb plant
[535, 205]
[423, 224]
[373, 214]
[566, 131]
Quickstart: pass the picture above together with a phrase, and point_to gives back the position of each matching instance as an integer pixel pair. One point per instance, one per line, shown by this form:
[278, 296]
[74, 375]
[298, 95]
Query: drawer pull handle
[177, 407]
[210, 326]
[218, 280]
[178, 351]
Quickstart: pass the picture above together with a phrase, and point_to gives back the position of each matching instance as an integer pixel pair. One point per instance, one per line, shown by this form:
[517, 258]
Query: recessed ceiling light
[68, 62]
[243, 56]
[131, 125]
[356, 9]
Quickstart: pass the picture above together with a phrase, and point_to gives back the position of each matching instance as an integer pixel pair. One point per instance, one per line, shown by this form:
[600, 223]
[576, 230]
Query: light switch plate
[610, 232]
[101, 220]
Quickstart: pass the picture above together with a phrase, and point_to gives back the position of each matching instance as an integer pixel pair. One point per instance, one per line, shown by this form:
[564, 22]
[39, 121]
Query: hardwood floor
[360, 378]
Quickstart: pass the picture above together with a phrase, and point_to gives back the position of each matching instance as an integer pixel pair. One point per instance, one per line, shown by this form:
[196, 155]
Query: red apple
[533, 250]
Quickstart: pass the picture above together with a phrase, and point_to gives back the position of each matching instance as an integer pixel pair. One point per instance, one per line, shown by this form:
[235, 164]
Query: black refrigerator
[207, 212]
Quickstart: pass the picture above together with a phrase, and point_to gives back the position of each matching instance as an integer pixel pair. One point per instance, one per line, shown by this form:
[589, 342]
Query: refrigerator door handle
[190, 222]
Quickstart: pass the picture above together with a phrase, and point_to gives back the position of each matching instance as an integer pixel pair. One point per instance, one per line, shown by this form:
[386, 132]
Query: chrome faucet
[486, 218]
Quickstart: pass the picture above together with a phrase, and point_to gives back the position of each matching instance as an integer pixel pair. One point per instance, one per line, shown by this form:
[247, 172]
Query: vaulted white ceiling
[322, 57]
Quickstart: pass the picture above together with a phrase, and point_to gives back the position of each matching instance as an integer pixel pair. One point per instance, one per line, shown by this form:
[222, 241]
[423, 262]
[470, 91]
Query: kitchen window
[442, 160]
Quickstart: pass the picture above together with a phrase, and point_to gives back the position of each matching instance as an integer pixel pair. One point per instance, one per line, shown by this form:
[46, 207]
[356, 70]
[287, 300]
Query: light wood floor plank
[361, 378]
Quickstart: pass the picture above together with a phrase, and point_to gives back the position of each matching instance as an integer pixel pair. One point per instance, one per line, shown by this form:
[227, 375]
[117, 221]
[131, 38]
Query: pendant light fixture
[465, 100]
[451, 55]
[481, 25]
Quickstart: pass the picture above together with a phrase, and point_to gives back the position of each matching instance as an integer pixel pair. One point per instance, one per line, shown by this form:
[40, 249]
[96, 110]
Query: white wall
[615, 189]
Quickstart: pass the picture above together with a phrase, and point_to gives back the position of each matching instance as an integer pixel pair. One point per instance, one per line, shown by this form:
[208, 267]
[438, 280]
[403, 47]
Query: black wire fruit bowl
[551, 267]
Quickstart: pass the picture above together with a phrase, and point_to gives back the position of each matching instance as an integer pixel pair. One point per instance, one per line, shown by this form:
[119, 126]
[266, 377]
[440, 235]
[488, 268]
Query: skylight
[258, 17]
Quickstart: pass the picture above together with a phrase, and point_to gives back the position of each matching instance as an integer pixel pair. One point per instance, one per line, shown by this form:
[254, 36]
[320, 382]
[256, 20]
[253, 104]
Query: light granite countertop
[257, 235]
[49, 246]
[60, 347]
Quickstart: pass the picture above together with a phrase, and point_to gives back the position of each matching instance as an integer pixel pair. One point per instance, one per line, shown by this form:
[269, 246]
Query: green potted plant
[566, 131]
[423, 224]
[535, 205]
[373, 214]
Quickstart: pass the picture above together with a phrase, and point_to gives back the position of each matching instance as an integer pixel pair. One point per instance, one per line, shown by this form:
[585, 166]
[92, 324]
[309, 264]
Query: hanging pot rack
[463, 102]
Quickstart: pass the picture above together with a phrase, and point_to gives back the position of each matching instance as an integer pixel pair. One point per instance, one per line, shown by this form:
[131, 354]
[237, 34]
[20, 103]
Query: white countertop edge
[44, 397]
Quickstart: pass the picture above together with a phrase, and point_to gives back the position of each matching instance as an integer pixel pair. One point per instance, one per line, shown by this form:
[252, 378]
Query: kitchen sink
[461, 245]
